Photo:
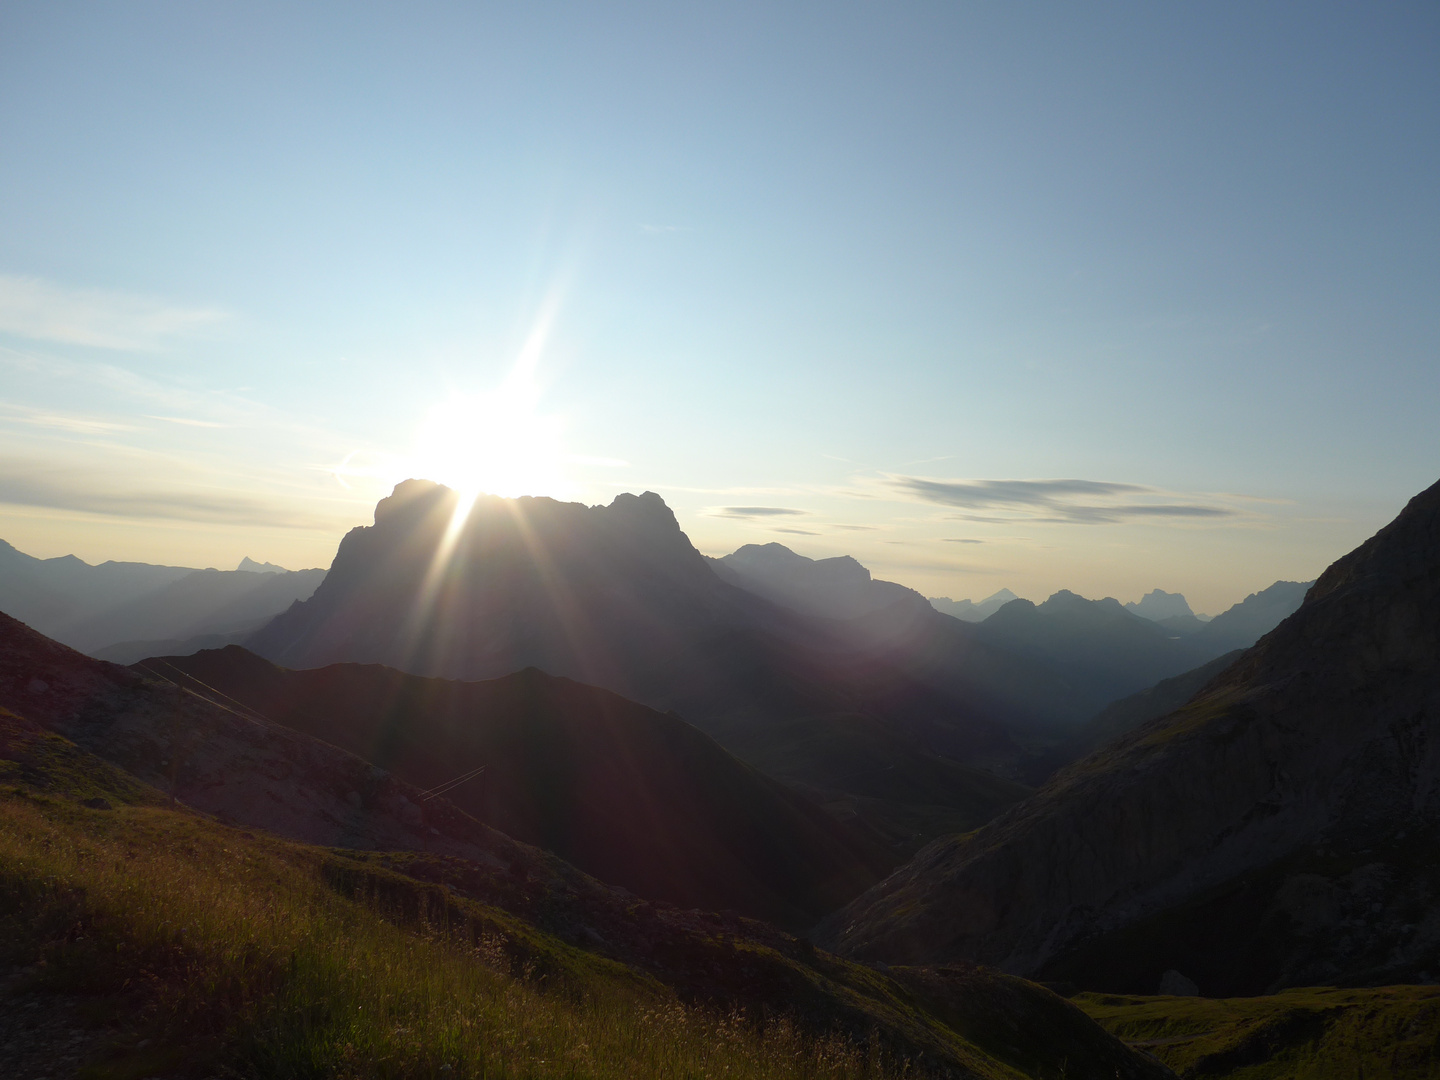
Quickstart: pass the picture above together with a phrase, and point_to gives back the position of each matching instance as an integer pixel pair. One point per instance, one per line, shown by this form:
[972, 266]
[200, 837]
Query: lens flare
[496, 443]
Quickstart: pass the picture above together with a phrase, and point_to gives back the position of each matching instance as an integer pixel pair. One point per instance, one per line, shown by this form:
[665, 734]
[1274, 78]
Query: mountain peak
[1158, 604]
[250, 566]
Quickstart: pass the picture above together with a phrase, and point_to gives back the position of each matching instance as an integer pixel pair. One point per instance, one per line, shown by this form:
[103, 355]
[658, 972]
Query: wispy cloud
[855, 528]
[795, 532]
[73, 423]
[750, 513]
[959, 540]
[56, 487]
[101, 318]
[1065, 501]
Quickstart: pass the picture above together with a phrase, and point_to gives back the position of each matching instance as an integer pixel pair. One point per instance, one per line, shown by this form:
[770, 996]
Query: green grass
[1390, 1032]
[235, 948]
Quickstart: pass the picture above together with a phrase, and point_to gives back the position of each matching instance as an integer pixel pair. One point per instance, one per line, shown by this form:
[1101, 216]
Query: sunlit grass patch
[228, 947]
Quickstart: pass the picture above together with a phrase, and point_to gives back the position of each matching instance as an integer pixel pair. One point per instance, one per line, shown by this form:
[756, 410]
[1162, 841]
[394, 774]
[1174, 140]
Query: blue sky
[834, 275]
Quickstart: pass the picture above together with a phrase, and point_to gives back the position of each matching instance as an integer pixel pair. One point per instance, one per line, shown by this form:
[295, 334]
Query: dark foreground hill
[147, 939]
[636, 797]
[1278, 830]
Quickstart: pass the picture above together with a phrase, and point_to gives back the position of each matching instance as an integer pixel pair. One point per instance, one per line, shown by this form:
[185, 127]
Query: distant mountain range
[125, 611]
[969, 610]
[1277, 830]
[838, 588]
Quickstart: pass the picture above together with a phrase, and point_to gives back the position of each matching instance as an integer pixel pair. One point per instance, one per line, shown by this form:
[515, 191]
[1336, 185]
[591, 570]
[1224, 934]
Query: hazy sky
[1105, 297]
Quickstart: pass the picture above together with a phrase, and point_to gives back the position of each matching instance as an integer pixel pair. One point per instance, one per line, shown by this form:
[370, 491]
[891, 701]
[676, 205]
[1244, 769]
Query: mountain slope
[1128, 713]
[636, 797]
[1243, 624]
[204, 946]
[1277, 830]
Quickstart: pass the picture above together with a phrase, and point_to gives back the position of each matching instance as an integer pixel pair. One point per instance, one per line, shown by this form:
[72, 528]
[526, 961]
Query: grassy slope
[1319, 1033]
[199, 945]
[219, 945]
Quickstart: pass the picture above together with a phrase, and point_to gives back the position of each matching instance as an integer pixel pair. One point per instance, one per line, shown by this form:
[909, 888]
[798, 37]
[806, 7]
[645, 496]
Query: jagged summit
[593, 592]
[250, 566]
[1158, 604]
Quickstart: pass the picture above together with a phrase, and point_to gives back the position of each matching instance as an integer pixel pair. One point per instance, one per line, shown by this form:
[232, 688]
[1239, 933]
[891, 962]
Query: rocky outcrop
[1317, 752]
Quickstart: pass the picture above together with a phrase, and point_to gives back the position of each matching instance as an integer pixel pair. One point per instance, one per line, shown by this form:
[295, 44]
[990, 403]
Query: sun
[495, 443]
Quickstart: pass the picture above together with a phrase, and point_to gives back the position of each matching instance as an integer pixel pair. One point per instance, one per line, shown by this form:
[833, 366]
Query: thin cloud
[959, 540]
[24, 484]
[1062, 501]
[855, 528]
[749, 513]
[74, 423]
[101, 318]
[796, 532]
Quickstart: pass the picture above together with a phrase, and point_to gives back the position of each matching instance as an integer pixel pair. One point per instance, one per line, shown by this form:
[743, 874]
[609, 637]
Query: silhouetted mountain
[1096, 648]
[614, 596]
[102, 608]
[838, 588]
[251, 566]
[969, 610]
[1245, 623]
[1280, 829]
[1158, 604]
[631, 795]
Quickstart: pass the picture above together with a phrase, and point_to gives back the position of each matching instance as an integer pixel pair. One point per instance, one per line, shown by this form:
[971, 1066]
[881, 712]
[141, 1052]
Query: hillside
[1278, 830]
[1128, 713]
[636, 797]
[149, 939]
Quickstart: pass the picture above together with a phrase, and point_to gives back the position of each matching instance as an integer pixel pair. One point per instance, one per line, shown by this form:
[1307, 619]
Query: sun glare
[495, 443]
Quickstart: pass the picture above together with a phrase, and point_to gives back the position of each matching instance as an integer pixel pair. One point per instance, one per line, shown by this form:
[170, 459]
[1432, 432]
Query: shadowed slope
[636, 797]
[1242, 833]
[205, 946]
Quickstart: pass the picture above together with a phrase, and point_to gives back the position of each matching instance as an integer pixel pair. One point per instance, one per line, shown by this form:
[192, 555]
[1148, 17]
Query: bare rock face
[1279, 829]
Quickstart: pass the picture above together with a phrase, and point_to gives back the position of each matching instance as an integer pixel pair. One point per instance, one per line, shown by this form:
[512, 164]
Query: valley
[809, 753]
